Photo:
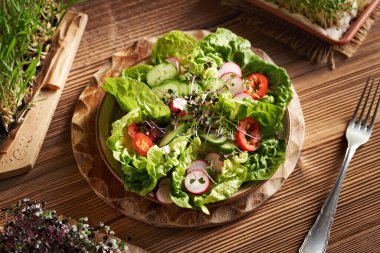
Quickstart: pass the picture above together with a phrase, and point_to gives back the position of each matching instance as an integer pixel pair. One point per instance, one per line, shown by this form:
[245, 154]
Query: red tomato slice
[142, 143]
[133, 130]
[248, 134]
[259, 85]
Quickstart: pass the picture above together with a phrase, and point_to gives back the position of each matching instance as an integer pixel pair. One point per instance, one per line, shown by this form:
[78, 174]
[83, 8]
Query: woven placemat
[305, 44]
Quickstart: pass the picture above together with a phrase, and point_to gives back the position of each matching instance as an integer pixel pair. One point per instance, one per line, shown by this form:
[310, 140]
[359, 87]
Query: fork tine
[370, 107]
[375, 112]
[360, 101]
[365, 103]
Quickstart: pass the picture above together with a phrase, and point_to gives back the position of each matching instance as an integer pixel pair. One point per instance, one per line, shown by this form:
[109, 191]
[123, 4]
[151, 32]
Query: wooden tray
[110, 189]
[347, 36]
[21, 148]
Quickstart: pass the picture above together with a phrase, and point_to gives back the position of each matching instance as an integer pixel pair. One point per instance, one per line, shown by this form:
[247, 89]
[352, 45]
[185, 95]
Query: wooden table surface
[328, 99]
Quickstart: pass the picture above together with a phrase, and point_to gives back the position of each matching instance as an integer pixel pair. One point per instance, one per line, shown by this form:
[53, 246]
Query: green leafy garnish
[173, 44]
[132, 94]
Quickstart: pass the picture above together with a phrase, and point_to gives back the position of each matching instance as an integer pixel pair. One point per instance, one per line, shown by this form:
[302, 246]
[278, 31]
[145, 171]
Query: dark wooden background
[328, 99]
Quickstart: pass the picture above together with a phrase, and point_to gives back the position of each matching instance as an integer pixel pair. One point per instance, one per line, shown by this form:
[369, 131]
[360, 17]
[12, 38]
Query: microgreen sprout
[26, 29]
[30, 227]
[323, 12]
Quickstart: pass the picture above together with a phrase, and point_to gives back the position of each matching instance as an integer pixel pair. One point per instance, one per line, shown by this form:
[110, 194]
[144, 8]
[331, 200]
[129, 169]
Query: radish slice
[197, 165]
[242, 95]
[163, 194]
[178, 104]
[234, 82]
[197, 182]
[229, 67]
[164, 181]
[216, 162]
[176, 62]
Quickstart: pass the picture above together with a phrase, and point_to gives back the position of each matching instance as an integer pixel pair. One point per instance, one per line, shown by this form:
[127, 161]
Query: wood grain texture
[20, 150]
[93, 164]
[328, 99]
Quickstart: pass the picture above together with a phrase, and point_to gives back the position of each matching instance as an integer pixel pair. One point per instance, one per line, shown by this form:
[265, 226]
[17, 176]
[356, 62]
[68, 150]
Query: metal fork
[357, 134]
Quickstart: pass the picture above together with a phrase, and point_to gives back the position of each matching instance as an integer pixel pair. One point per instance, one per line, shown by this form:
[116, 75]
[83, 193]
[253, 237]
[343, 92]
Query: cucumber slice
[168, 137]
[213, 139]
[181, 89]
[228, 147]
[160, 73]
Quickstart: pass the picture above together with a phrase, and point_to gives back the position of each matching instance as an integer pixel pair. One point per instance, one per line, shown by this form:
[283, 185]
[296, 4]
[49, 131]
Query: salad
[201, 120]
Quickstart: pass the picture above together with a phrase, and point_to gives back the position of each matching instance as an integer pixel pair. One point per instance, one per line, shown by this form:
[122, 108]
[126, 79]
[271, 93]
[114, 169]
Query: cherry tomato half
[259, 85]
[248, 134]
[133, 130]
[142, 143]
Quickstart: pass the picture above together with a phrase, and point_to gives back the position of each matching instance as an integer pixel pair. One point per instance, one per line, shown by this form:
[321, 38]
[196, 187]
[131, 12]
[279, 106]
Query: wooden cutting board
[23, 145]
[110, 189]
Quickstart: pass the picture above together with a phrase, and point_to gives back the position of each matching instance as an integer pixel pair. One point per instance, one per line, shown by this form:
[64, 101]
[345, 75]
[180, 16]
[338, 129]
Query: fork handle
[318, 236]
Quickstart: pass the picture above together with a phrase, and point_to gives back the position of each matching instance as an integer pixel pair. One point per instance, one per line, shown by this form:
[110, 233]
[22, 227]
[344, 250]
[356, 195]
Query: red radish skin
[163, 194]
[197, 165]
[234, 82]
[197, 182]
[242, 95]
[176, 62]
[182, 114]
[229, 77]
[229, 67]
[216, 162]
[178, 105]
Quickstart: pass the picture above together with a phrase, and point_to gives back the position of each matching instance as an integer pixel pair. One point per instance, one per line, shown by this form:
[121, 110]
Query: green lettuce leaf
[174, 43]
[137, 72]
[268, 115]
[233, 175]
[132, 94]
[279, 83]
[119, 141]
[142, 174]
[266, 160]
[178, 195]
[215, 49]
[224, 45]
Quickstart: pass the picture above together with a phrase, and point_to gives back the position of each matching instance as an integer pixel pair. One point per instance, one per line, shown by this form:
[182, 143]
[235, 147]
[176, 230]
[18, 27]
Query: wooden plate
[108, 187]
[346, 37]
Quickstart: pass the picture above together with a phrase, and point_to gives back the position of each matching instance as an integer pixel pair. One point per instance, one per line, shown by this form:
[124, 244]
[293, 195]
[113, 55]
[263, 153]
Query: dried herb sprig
[31, 228]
